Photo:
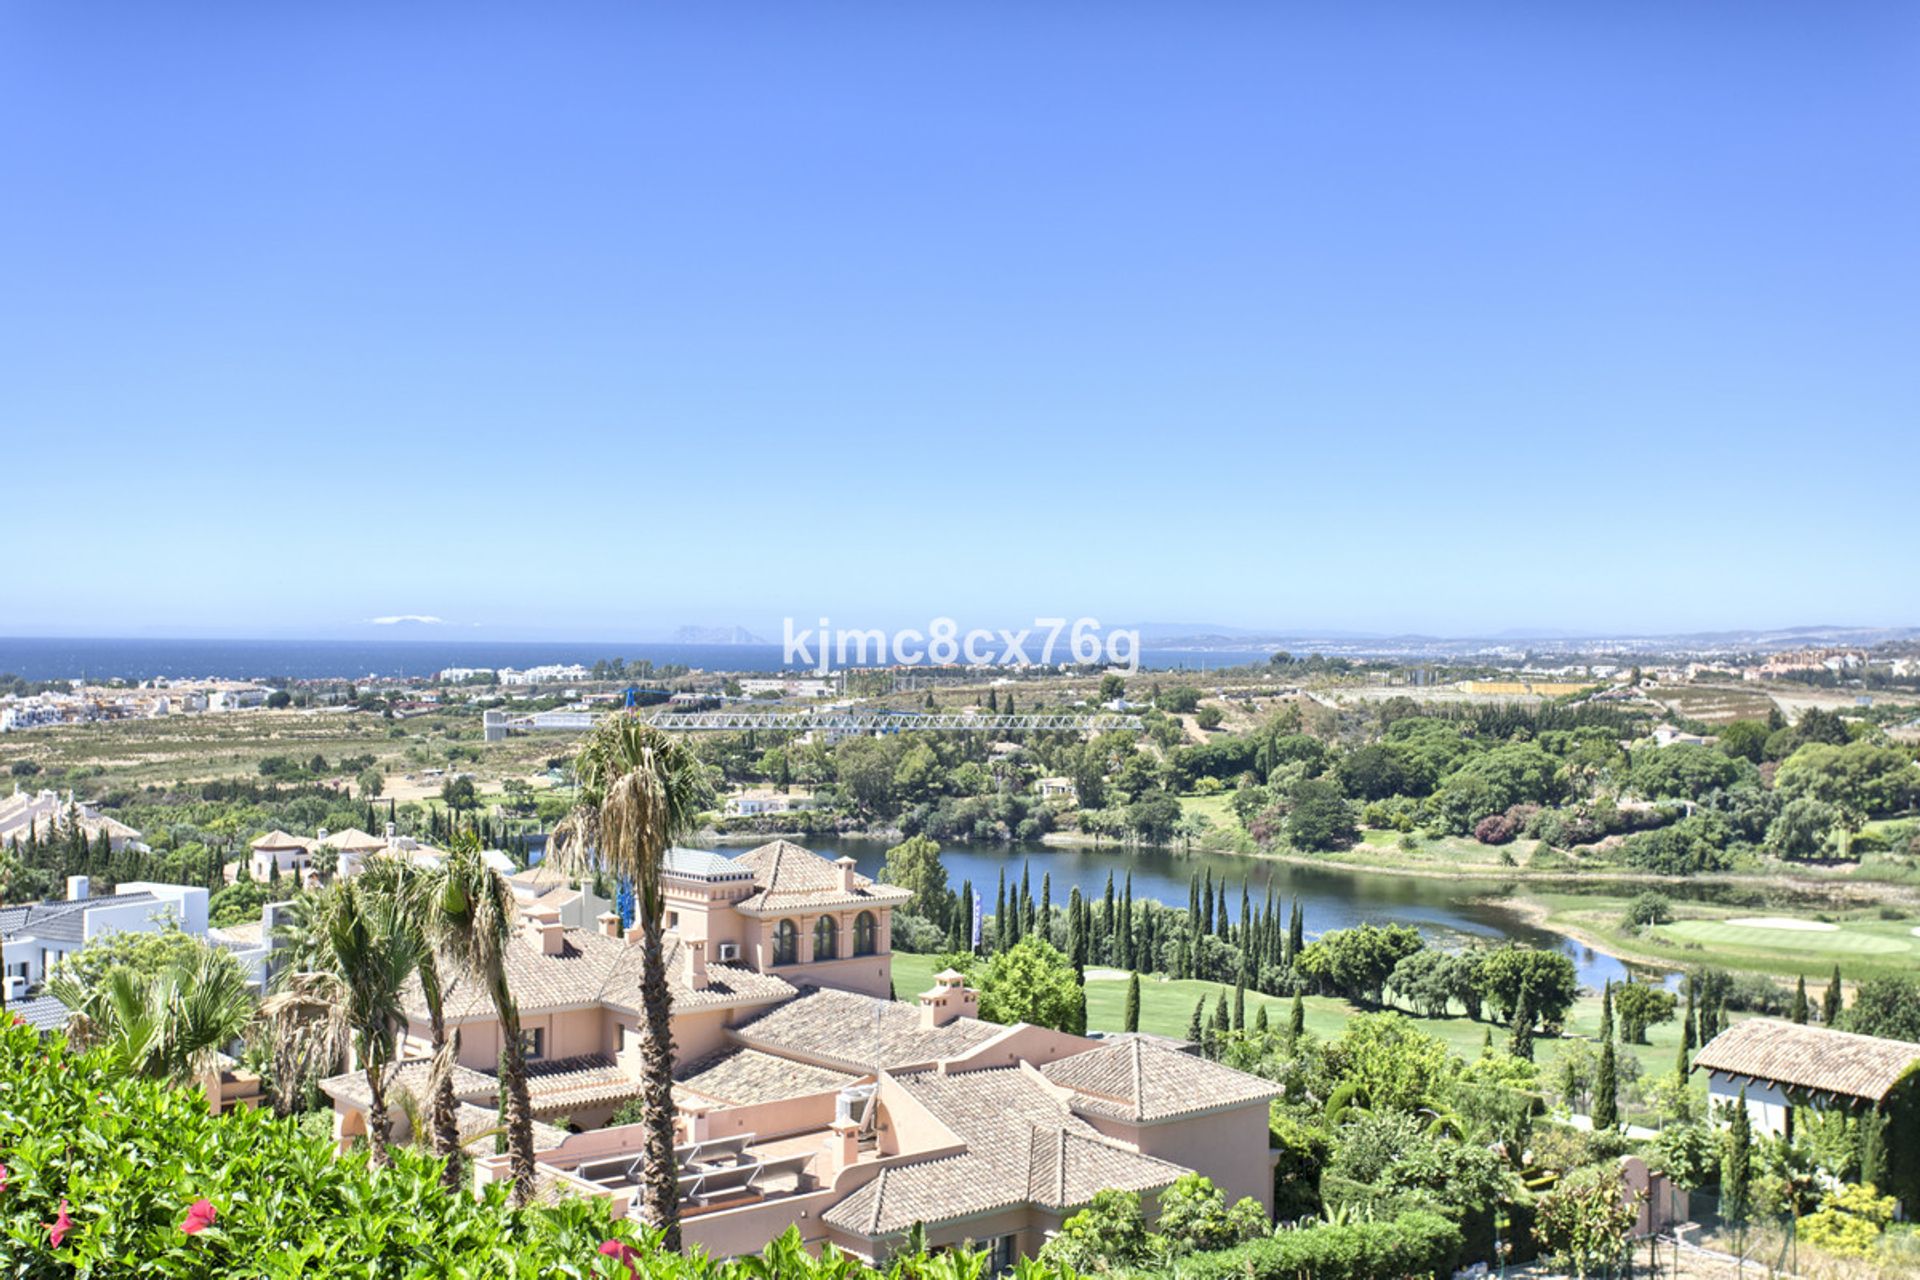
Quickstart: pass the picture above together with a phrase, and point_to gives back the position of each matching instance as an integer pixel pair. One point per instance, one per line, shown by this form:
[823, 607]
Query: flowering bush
[107, 1176]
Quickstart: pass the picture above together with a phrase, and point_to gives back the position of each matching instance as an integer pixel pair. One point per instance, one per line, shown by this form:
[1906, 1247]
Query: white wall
[1767, 1104]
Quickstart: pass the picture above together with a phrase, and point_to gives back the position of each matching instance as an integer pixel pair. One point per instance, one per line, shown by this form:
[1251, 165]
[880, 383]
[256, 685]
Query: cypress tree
[1260, 1019]
[1220, 915]
[1026, 899]
[1133, 1002]
[1076, 934]
[1245, 933]
[963, 915]
[1520, 1044]
[1688, 1040]
[1000, 914]
[1126, 926]
[1193, 899]
[1046, 906]
[1196, 1024]
[1873, 1148]
[1681, 1066]
[1181, 965]
[1221, 1021]
[1830, 1007]
[1296, 1020]
[1606, 1090]
[1104, 944]
[1240, 1000]
[1206, 905]
[1800, 1011]
[1606, 1013]
[1486, 1042]
[1736, 1166]
[1296, 933]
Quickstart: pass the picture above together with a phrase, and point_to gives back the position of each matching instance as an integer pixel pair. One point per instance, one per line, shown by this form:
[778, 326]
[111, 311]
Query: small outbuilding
[1779, 1065]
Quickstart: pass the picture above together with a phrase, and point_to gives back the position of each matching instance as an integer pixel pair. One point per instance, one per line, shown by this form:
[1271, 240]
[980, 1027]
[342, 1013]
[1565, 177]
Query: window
[826, 938]
[533, 1043]
[863, 934]
[786, 942]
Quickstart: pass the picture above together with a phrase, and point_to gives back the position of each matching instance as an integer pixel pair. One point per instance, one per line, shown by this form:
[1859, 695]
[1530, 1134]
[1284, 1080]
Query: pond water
[1447, 912]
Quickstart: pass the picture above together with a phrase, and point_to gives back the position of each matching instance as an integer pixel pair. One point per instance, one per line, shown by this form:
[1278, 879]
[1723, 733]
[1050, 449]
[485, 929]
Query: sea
[97, 658]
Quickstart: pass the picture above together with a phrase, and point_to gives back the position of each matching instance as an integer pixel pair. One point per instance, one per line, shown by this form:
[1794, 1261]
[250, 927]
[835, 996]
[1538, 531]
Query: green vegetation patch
[1849, 940]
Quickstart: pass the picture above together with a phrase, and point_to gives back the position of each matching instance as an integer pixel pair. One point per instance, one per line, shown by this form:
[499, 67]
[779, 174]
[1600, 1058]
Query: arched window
[786, 942]
[826, 938]
[863, 931]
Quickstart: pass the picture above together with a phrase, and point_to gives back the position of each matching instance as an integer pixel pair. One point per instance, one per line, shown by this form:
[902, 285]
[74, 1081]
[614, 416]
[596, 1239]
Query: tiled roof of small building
[473, 1120]
[591, 968]
[859, 1033]
[1139, 1081]
[789, 878]
[64, 919]
[742, 1077]
[1813, 1058]
[278, 839]
[1023, 1147]
[585, 1081]
[409, 1077]
[704, 864]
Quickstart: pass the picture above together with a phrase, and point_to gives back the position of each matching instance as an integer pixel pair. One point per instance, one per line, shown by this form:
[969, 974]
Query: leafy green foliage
[1412, 1246]
[130, 1157]
[1031, 982]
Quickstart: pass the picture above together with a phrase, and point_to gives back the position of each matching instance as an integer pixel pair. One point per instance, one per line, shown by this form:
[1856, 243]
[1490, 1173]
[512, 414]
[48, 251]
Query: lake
[1446, 911]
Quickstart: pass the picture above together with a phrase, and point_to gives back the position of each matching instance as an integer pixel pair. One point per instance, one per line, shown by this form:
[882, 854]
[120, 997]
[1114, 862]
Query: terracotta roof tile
[1137, 1080]
[1024, 1147]
[852, 1032]
[742, 1077]
[1813, 1058]
[789, 878]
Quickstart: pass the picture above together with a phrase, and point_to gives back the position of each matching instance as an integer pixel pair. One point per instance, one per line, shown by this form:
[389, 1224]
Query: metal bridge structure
[499, 724]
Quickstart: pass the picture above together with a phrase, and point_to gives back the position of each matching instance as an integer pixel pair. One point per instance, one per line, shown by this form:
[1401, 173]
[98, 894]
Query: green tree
[641, 790]
[1030, 982]
[1357, 962]
[914, 864]
[1132, 1018]
[1585, 1222]
[1520, 1045]
[1547, 978]
[1640, 1005]
[168, 1025]
[1887, 1006]
[1830, 1003]
[1110, 1234]
[1736, 1165]
[1800, 1011]
[1319, 816]
[1606, 1090]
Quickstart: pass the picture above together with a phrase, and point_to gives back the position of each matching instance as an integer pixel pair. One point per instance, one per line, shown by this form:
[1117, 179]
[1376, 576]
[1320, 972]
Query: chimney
[846, 866]
[77, 888]
[392, 831]
[843, 1148]
[695, 951]
[947, 999]
[609, 924]
[320, 836]
[545, 931]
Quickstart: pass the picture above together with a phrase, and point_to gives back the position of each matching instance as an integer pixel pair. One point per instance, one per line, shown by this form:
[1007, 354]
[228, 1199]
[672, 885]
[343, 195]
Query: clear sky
[587, 320]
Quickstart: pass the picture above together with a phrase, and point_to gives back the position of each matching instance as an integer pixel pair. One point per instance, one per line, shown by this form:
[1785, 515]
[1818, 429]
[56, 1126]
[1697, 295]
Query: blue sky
[590, 320]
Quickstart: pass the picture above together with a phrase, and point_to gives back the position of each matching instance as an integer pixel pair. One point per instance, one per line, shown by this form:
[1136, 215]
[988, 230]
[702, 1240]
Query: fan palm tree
[415, 892]
[477, 913]
[168, 1026]
[352, 991]
[640, 790]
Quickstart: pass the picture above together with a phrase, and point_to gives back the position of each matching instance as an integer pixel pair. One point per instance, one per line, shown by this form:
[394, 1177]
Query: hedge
[1413, 1245]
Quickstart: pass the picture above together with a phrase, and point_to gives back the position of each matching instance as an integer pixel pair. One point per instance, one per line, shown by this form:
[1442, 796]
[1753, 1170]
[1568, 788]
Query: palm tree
[352, 990]
[477, 913]
[640, 790]
[415, 892]
[168, 1026]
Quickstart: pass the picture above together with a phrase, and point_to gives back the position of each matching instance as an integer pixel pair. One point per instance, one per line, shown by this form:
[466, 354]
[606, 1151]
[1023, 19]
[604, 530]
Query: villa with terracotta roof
[805, 1095]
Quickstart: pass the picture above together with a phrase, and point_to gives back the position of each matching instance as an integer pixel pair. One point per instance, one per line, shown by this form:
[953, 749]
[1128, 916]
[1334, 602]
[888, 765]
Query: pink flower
[3, 1177]
[625, 1252]
[199, 1217]
[58, 1228]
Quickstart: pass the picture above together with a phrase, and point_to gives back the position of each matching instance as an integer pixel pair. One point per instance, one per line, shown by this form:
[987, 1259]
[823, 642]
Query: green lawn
[1166, 1007]
[1852, 939]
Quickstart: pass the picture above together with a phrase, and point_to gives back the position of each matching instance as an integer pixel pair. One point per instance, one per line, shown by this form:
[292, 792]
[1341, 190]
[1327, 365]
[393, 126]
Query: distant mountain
[716, 635]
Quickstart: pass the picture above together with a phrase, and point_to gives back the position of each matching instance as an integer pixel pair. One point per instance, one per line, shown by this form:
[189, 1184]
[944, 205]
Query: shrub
[1498, 829]
[129, 1158]
[1850, 1220]
[1417, 1244]
[1650, 908]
